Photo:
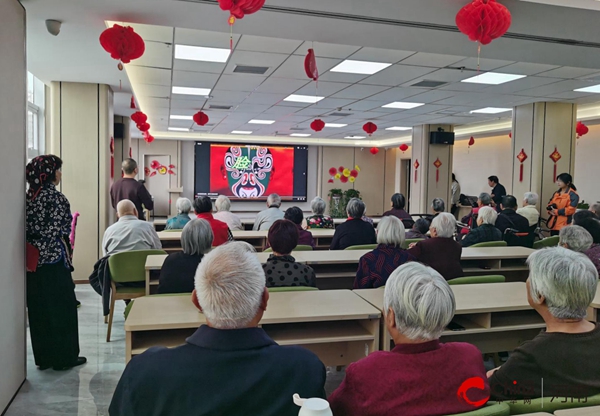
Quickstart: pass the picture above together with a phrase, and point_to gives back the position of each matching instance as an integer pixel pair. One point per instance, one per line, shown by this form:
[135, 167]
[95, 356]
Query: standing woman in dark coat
[51, 302]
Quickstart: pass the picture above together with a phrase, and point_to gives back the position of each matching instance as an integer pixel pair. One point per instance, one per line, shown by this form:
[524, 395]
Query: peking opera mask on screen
[249, 170]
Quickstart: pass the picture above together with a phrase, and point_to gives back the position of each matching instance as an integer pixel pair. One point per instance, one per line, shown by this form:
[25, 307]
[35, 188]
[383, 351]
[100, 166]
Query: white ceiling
[582, 4]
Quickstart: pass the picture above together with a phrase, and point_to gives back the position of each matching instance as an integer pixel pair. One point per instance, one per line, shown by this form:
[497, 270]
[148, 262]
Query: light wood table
[496, 316]
[581, 411]
[338, 326]
[537, 414]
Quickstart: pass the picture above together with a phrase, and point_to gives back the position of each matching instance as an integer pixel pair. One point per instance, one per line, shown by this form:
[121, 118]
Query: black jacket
[499, 191]
[354, 232]
[510, 219]
[178, 272]
[100, 281]
[481, 234]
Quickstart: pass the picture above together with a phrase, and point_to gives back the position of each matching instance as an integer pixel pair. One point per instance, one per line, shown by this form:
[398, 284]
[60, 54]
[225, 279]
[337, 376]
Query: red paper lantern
[138, 117]
[483, 20]
[310, 65]
[370, 128]
[332, 171]
[343, 179]
[403, 147]
[374, 150]
[471, 141]
[149, 139]
[581, 129]
[200, 118]
[123, 44]
[143, 127]
[240, 8]
[353, 173]
[317, 125]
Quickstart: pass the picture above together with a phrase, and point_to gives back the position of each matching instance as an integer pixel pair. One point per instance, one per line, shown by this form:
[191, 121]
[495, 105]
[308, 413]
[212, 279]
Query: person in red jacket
[563, 204]
[420, 376]
[203, 209]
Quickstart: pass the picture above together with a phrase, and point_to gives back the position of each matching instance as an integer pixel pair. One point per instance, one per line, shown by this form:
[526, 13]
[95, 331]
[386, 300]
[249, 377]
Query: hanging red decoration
[138, 117]
[510, 134]
[240, 8]
[353, 173]
[310, 65]
[416, 166]
[330, 181]
[555, 156]
[130, 154]
[317, 125]
[374, 150]
[471, 141]
[370, 128]
[132, 104]
[149, 139]
[403, 147]
[438, 165]
[123, 44]
[112, 157]
[200, 118]
[143, 127]
[332, 171]
[341, 169]
[522, 157]
[581, 129]
[483, 20]
[343, 179]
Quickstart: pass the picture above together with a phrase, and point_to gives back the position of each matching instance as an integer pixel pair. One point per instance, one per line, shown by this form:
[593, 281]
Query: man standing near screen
[129, 188]
[266, 218]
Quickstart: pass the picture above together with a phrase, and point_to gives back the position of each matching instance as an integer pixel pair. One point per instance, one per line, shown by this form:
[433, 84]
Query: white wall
[13, 94]
[586, 163]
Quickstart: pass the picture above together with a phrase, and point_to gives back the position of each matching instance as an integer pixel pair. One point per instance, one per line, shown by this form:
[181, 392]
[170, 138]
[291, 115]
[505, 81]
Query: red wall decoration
[157, 168]
[438, 165]
[416, 166]
[555, 156]
[522, 157]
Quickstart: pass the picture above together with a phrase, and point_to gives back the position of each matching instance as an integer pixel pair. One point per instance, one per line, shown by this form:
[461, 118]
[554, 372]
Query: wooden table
[338, 326]
[581, 411]
[593, 311]
[496, 316]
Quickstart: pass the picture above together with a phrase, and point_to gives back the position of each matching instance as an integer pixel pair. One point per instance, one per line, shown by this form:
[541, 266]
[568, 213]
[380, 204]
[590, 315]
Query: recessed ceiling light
[191, 91]
[300, 135]
[335, 125]
[491, 110]
[360, 67]
[493, 78]
[241, 132]
[200, 53]
[181, 117]
[178, 129]
[303, 98]
[402, 105]
[592, 88]
[399, 128]
[261, 122]
[355, 137]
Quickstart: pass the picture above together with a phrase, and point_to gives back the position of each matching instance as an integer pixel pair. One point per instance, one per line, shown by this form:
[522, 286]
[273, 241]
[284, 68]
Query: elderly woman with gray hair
[318, 219]
[529, 210]
[223, 207]
[184, 206]
[354, 231]
[485, 231]
[561, 286]
[420, 372]
[178, 270]
[441, 251]
[575, 238]
[375, 267]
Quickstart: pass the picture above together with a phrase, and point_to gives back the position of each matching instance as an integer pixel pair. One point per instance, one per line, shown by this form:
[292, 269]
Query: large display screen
[250, 172]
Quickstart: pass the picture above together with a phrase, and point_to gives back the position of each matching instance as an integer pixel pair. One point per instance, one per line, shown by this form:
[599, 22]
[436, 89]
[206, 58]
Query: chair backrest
[546, 242]
[362, 247]
[469, 280]
[491, 244]
[518, 239]
[130, 304]
[548, 405]
[490, 409]
[297, 248]
[130, 266]
[291, 289]
[409, 241]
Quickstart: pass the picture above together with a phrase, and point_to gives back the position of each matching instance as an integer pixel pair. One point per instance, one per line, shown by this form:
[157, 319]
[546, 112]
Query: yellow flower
[352, 179]
[162, 170]
[346, 172]
[337, 176]
[357, 168]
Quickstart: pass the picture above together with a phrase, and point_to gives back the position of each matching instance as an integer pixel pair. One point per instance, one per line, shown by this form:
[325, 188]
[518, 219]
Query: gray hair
[595, 208]
[566, 279]
[488, 215]
[444, 224]
[230, 282]
[576, 238]
[485, 198]
[184, 205]
[125, 207]
[438, 205]
[196, 237]
[355, 208]
[222, 203]
[390, 230]
[318, 205]
[274, 200]
[421, 299]
[531, 198]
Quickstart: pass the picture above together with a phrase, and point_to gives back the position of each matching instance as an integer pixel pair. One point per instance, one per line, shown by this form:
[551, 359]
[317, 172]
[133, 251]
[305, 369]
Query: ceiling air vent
[219, 107]
[340, 114]
[429, 84]
[247, 69]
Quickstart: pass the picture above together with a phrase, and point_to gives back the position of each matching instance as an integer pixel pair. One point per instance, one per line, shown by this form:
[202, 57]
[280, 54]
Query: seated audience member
[484, 200]
[354, 231]
[485, 231]
[420, 375]
[229, 366]
[595, 208]
[129, 232]
[561, 287]
[419, 229]
[318, 219]
[295, 215]
[266, 218]
[592, 226]
[203, 209]
[367, 219]
[398, 204]
[440, 251]
[178, 270]
[223, 207]
[581, 216]
[184, 206]
[529, 210]
[575, 238]
[281, 268]
[498, 191]
[438, 206]
[375, 267]
[508, 217]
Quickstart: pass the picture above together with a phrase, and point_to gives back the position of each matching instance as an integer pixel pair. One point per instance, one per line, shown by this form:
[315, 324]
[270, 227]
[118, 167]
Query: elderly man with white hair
[230, 366]
[223, 207]
[420, 375]
[184, 207]
[529, 209]
[441, 251]
[561, 286]
[575, 238]
[485, 231]
[266, 218]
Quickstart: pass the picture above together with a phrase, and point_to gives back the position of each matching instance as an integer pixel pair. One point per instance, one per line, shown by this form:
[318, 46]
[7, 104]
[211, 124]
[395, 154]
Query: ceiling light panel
[175, 117]
[399, 128]
[200, 53]
[300, 135]
[355, 137]
[403, 105]
[491, 110]
[311, 99]
[493, 78]
[595, 89]
[335, 125]
[191, 91]
[261, 122]
[178, 129]
[360, 67]
[241, 132]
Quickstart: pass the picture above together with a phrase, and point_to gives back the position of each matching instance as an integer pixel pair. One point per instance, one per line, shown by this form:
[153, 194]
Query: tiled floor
[87, 390]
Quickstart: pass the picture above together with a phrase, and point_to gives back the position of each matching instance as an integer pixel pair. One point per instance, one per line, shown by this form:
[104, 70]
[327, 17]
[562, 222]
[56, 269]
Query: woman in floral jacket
[318, 220]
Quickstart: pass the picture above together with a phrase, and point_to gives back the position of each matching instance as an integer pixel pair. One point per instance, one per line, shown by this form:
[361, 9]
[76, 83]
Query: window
[36, 100]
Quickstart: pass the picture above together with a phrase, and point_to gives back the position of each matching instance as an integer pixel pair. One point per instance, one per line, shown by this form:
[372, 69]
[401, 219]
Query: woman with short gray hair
[561, 286]
[441, 251]
[184, 206]
[354, 231]
[223, 207]
[485, 231]
[179, 268]
[575, 238]
[375, 267]
[318, 219]
[529, 210]
[418, 306]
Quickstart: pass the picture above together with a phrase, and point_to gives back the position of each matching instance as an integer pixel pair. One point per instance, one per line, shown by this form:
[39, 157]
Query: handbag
[32, 257]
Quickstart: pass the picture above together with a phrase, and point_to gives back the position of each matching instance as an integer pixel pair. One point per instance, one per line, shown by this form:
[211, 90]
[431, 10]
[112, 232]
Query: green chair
[490, 409]
[546, 242]
[491, 244]
[470, 280]
[297, 248]
[130, 304]
[127, 267]
[291, 289]
[409, 241]
[550, 406]
[362, 247]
